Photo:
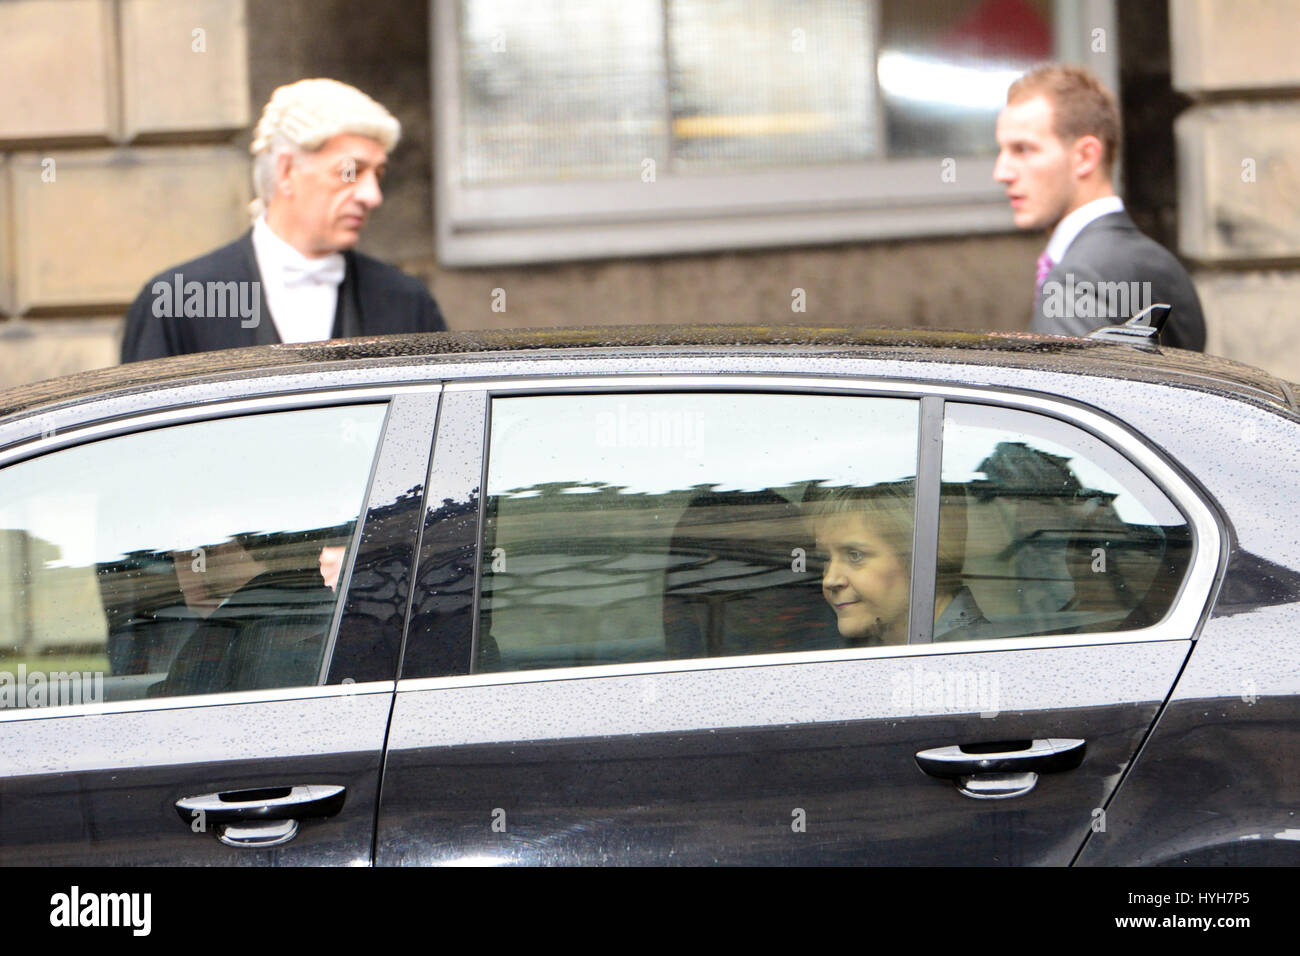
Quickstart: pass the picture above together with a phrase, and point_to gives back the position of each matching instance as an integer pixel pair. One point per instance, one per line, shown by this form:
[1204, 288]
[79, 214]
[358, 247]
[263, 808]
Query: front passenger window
[192, 559]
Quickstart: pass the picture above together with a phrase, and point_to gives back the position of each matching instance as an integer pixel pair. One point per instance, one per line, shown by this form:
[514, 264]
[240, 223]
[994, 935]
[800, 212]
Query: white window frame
[500, 224]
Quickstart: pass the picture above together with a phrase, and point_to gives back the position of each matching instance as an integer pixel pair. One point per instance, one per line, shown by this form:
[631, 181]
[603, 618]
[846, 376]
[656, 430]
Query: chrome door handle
[997, 786]
[999, 771]
[257, 835]
[264, 803]
[1040, 756]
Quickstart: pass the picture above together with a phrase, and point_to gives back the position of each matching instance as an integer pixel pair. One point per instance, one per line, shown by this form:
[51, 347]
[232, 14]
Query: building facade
[650, 194]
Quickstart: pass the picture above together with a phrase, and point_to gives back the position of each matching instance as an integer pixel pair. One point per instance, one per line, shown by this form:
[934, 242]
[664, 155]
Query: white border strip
[193, 701]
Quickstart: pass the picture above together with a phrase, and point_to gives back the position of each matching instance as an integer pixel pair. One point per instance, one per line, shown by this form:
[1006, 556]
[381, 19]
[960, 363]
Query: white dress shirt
[301, 293]
[1069, 228]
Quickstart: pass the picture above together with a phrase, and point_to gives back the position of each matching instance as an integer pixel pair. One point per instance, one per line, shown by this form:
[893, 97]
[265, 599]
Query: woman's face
[864, 579]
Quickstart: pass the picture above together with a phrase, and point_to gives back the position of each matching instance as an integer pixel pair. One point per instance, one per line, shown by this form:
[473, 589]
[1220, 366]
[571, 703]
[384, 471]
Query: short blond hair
[890, 509]
[1081, 105]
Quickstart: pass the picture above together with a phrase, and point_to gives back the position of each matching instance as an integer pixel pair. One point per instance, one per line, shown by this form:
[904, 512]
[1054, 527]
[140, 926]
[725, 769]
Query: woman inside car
[864, 538]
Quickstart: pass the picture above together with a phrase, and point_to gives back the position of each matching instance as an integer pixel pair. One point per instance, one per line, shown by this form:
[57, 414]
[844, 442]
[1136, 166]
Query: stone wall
[1239, 173]
[116, 159]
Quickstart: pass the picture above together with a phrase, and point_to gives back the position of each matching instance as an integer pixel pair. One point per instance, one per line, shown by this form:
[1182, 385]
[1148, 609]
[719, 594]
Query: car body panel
[1216, 782]
[101, 789]
[713, 765]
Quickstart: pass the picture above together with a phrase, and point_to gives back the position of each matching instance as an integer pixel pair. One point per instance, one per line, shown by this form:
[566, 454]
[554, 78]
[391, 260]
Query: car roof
[1016, 349]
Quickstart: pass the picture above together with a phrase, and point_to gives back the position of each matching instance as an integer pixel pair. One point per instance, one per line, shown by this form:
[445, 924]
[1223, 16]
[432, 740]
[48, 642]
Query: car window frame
[1182, 622]
[89, 429]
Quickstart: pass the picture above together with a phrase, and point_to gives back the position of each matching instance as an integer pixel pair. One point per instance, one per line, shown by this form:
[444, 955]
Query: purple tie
[1045, 264]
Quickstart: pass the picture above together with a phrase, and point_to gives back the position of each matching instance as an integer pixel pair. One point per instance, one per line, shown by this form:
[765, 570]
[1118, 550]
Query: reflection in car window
[1056, 532]
[191, 559]
[639, 527]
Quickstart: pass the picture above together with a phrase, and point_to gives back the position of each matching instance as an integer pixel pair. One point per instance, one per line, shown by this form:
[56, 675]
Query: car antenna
[1142, 331]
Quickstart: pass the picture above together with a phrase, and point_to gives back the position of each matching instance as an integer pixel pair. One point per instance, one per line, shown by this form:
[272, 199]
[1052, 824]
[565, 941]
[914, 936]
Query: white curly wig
[301, 116]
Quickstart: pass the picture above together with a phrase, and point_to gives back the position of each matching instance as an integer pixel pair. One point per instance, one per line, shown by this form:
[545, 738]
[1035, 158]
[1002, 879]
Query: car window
[190, 559]
[1045, 529]
[642, 527]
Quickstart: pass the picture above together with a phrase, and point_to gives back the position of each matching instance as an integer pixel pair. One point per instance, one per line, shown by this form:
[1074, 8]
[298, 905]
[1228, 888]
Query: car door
[201, 613]
[625, 650]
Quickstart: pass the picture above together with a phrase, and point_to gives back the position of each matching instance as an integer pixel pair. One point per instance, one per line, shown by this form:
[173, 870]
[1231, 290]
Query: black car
[675, 595]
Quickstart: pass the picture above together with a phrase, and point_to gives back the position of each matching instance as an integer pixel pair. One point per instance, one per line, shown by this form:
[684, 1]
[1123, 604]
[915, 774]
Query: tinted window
[1046, 529]
[662, 526]
[191, 559]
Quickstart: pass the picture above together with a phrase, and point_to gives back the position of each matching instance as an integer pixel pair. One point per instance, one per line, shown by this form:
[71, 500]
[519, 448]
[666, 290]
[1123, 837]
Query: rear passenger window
[643, 527]
[1045, 529]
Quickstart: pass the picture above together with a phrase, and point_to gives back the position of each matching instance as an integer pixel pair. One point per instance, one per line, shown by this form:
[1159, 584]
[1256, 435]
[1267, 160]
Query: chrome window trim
[748, 661]
[1181, 624]
[201, 411]
[192, 701]
[1209, 540]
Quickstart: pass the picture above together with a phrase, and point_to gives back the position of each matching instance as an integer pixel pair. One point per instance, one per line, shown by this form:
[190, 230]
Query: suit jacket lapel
[265, 332]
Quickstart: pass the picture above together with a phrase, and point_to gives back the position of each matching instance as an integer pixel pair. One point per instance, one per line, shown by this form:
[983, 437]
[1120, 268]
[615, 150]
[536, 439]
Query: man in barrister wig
[320, 151]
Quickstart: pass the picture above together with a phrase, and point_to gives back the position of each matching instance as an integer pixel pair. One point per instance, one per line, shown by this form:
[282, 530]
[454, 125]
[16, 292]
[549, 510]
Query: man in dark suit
[1057, 139]
[319, 152]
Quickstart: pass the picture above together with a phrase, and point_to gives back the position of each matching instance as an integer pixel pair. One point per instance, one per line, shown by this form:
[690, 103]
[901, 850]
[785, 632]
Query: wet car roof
[1048, 353]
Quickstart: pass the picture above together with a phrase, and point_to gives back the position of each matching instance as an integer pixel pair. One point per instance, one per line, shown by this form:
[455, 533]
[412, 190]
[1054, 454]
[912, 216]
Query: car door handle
[1040, 756]
[265, 803]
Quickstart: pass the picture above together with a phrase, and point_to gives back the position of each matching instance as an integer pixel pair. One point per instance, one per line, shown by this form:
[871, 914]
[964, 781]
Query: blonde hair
[890, 508]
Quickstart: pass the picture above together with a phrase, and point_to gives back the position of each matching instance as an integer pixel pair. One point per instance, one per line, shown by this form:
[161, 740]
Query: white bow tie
[328, 270]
